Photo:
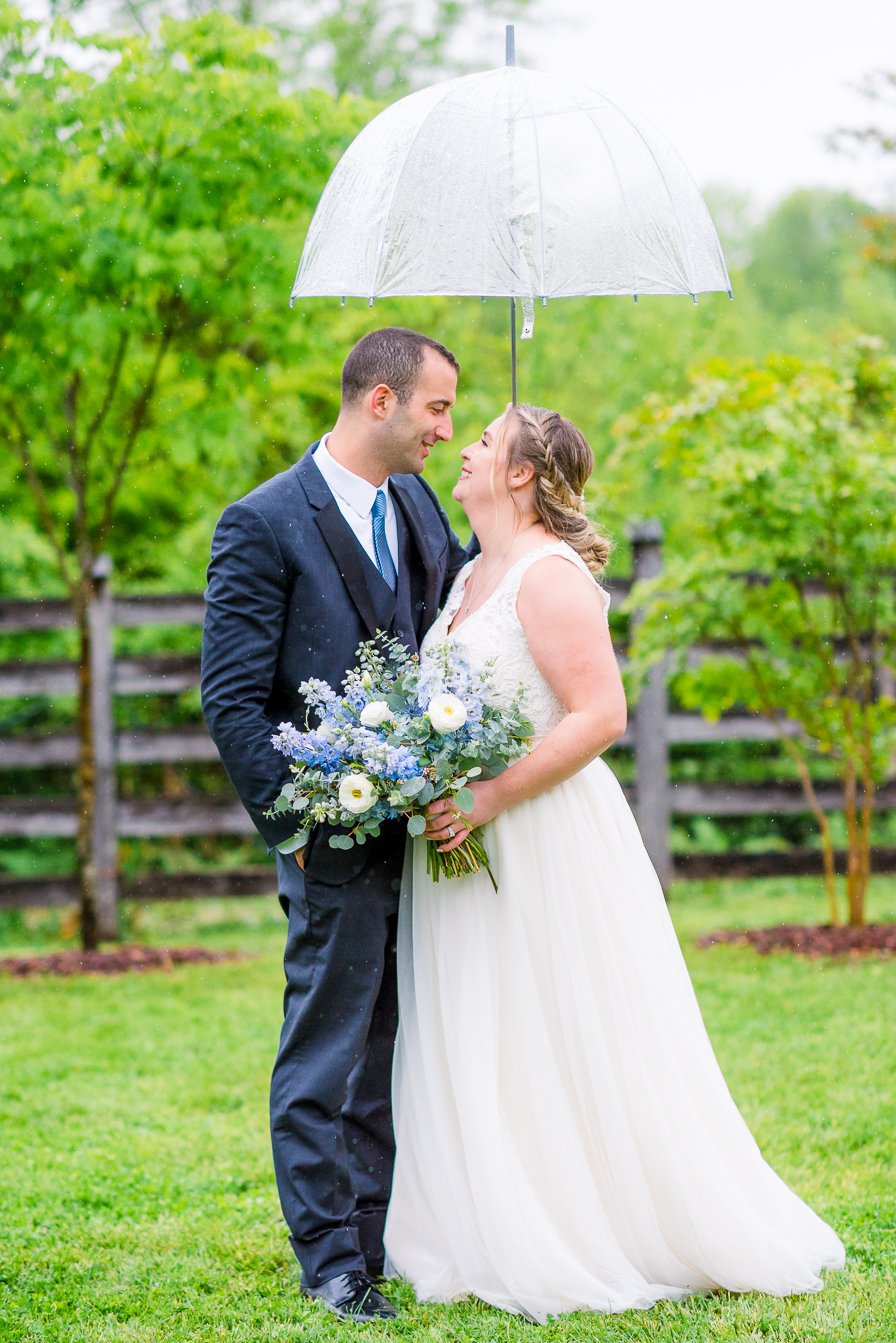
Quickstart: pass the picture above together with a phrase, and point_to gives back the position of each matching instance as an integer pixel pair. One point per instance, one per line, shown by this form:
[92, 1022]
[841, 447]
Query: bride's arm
[562, 614]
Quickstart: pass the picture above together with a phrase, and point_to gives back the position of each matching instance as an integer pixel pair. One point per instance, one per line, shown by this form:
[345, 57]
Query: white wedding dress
[565, 1139]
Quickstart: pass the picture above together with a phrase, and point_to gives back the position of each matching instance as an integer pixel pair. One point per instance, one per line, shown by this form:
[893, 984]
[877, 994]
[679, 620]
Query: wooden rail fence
[652, 730]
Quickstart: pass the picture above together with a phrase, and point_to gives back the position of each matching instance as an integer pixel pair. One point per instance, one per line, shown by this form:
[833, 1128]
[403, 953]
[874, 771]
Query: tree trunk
[86, 775]
[858, 834]
[97, 841]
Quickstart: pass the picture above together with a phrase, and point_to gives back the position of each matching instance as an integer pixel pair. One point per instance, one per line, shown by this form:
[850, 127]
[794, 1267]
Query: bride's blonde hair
[562, 461]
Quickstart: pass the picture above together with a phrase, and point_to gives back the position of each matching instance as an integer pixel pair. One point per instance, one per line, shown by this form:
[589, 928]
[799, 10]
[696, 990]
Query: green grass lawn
[137, 1200]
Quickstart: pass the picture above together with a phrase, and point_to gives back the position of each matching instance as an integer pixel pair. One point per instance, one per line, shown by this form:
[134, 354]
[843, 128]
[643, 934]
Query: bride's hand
[445, 821]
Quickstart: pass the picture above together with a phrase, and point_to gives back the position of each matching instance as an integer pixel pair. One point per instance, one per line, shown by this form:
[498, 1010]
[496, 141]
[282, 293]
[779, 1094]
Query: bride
[565, 1139]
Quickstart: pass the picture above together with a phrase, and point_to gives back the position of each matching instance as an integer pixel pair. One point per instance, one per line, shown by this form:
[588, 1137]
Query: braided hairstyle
[562, 461]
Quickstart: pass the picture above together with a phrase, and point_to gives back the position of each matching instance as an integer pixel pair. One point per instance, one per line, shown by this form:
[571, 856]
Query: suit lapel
[371, 595]
[405, 495]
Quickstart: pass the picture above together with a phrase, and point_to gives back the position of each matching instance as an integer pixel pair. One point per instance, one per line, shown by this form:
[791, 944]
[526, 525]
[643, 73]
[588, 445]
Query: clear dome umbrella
[510, 184]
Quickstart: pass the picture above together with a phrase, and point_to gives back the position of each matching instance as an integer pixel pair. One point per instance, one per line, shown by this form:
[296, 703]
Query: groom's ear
[381, 400]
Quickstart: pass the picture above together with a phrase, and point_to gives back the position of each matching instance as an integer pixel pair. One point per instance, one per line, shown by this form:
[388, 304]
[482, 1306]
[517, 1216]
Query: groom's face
[425, 418]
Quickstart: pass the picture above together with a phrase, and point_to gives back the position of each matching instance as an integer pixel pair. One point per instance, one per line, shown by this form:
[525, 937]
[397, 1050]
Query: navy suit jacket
[291, 593]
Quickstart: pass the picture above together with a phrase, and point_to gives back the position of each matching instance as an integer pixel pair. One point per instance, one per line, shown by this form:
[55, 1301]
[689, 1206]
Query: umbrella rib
[529, 104]
[398, 176]
[685, 249]
[622, 196]
[483, 271]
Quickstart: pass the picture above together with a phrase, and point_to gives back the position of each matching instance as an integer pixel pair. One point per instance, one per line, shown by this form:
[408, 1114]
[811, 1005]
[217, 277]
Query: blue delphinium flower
[355, 775]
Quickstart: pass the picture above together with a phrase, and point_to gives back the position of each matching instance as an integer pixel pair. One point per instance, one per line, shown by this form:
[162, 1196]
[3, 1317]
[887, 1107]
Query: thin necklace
[470, 585]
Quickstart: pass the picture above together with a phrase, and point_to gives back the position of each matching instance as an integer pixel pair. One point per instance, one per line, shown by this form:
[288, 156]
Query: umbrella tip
[510, 47]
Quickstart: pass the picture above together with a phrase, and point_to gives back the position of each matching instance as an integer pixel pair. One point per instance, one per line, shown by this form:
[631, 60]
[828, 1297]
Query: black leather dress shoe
[352, 1296]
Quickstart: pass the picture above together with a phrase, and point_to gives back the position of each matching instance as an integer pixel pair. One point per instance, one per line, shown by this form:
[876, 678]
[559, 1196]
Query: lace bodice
[494, 634]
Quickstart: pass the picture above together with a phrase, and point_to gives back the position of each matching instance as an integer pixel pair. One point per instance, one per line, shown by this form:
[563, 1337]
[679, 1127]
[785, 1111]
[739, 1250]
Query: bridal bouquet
[400, 735]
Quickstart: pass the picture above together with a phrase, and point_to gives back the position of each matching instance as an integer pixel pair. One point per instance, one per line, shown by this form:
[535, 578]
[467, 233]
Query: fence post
[650, 728]
[104, 839]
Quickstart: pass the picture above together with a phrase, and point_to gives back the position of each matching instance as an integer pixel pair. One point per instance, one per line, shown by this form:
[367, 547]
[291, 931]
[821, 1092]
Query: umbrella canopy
[510, 183]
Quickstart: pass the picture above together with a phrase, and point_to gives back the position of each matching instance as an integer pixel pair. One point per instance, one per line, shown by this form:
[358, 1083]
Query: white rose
[376, 713]
[356, 793]
[446, 713]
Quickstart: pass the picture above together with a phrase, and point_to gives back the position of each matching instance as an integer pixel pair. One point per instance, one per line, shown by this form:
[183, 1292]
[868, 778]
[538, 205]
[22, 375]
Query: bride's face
[482, 468]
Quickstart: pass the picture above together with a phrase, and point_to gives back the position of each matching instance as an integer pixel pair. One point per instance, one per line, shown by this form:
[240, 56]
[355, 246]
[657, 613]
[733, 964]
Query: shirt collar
[353, 490]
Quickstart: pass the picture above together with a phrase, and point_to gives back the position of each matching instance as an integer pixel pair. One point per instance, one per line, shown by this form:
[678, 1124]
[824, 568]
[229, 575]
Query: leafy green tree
[792, 563]
[803, 252]
[736, 217]
[371, 48]
[145, 339]
[880, 90]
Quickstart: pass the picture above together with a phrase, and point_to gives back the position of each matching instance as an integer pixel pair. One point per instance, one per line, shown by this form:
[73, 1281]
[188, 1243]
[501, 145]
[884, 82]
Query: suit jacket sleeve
[246, 606]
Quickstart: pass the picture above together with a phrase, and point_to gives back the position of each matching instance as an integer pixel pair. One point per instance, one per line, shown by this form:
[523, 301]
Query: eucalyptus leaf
[416, 825]
[341, 842]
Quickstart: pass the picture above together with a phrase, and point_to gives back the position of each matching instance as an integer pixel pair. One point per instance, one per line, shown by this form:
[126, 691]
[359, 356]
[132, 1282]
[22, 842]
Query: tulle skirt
[565, 1139]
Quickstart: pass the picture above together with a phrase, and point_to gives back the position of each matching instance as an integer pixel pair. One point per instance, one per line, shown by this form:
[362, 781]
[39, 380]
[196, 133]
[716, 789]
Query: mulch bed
[874, 939]
[114, 961]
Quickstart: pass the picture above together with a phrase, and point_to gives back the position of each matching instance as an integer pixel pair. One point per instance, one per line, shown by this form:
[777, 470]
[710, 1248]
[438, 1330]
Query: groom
[349, 541]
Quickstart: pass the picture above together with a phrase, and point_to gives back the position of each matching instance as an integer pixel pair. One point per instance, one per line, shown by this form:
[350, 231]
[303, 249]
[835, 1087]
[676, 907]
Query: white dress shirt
[355, 498]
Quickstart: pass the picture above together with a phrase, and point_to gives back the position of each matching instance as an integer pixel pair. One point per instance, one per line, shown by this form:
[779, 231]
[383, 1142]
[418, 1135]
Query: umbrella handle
[513, 351]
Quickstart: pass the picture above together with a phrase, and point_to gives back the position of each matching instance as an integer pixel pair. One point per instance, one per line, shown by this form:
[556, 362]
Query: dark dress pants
[331, 1112]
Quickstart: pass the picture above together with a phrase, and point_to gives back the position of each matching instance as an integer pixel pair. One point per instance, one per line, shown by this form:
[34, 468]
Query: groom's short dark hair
[393, 356]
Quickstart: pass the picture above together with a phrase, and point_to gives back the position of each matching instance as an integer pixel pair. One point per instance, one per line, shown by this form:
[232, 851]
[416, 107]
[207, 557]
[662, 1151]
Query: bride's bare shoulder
[558, 587]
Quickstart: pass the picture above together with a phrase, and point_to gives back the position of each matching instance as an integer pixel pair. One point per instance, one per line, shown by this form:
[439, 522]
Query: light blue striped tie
[381, 549]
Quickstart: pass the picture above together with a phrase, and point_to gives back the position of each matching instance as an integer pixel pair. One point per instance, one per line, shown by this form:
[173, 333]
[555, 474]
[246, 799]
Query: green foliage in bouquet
[401, 735]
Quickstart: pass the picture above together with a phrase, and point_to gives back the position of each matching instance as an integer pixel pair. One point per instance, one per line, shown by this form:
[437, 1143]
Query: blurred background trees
[368, 48]
[156, 188]
[790, 559]
[245, 383]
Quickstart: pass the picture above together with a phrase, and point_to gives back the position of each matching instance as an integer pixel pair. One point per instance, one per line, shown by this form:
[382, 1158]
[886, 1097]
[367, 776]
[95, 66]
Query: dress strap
[566, 552]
